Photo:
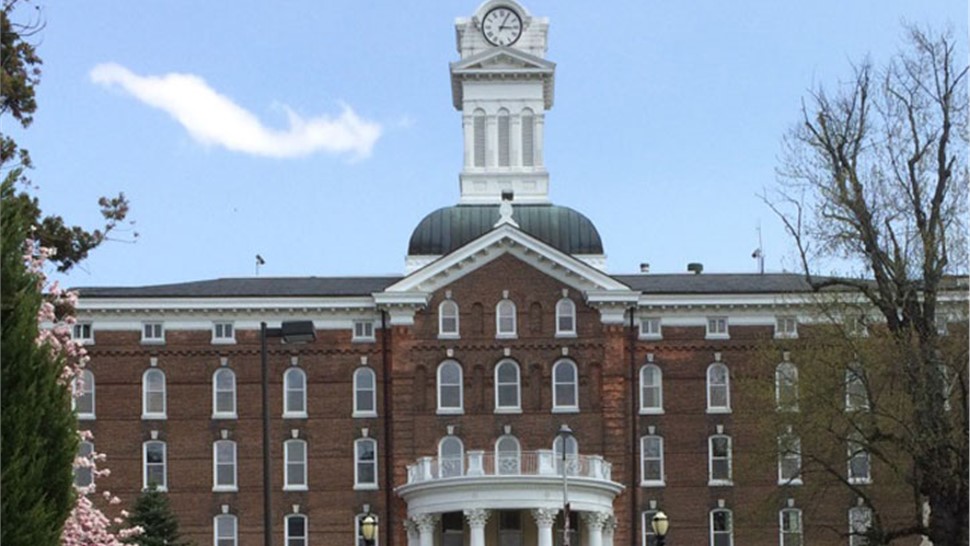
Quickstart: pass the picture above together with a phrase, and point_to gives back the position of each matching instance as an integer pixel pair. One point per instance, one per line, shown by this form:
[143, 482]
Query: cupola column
[468, 127]
[539, 130]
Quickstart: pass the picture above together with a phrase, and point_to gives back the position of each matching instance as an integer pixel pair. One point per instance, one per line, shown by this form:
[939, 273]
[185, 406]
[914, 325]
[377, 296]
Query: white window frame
[557, 405]
[295, 455]
[358, 463]
[506, 310]
[161, 393]
[711, 408]
[516, 385]
[83, 332]
[300, 413]
[145, 465]
[856, 391]
[451, 410]
[648, 537]
[566, 311]
[717, 328]
[651, 328]
[83, 474]
[289, 539]
[502, 455]
[730, 522]
[789, 449]
[786, 378]
[451, 465]
[152, 332]
[363, 331]
[365, 394]
[711, 459]
[222, 447]
[448, 311]
[223, 333]
[84, 384]
[786, 327]
[786, 532]
[652, 482]
[856, 451]
[860, 520]
[222, 413]
[657, 386]
[218, 540]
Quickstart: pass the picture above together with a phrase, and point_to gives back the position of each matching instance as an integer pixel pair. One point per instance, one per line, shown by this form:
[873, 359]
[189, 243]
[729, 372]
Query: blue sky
[319, 133]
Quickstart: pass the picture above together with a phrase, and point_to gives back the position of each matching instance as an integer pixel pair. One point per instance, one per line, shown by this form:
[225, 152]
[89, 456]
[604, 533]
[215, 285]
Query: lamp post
[660, 524]
[368, 529]
[565, 434]
[301, 331]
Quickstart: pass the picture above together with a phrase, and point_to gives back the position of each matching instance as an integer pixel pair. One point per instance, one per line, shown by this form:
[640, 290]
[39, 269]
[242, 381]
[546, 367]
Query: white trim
[450, 410]
[215, 528]
[781, 525]
[358, 391]
[644, 482]
[711, 480]
[150, 415]
[442, 333]
[718, 327]
[517, 408]
[442, 458]
[501, 314]
[88, 387]
[303, 461]
[795, 454]
[164, 464]
[216, 413]
[286, 528]
[287, 412]
[216, 486]
[730, 520]
[157, 336]
[556, 405]
[357, 462]
[782, 372]
[726, 386]
[659, 408]
[570, 314]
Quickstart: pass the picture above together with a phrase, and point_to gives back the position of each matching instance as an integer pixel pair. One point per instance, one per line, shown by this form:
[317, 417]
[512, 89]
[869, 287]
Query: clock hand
[506, 20]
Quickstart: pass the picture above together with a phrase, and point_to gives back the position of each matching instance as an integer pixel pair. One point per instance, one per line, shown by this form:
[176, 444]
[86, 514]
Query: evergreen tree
[154, 515]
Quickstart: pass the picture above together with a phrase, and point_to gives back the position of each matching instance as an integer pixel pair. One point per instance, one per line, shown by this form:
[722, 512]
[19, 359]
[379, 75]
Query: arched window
[572, 454]
[478, 137]
[294, 393]
[153, 394]
[507, 389]
[565, 317]
[224, 530]
[154, 465]
[450, 396]
[365, 463]
[505, 319]
[651, 389]
[718, 389]
[224, 465]
[448, 319]
[224, 393]
[652, 460]
[295, 530]
[84, 395]
[365, 393]
[565, 386]
[507, 455]
[719, 459]
[722, 528]
[295, 464]
[504, 138]
[786, 387]
[451, 457]
[83, 476]
[528, 138]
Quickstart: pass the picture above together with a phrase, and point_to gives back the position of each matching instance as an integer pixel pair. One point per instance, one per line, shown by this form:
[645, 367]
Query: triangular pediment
[502, 59]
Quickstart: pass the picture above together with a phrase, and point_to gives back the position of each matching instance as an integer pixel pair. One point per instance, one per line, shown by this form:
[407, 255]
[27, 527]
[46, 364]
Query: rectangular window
[82, 332]
[224, 465]
[650, 328]
[856, 392]
[789, 459]
[153, 465]
[790, 527]
[363, 330]
[295, 470]
[478, 130]
[223, 332]
[722, 528]
[786, 327]
[152, 332]
[528, 140]
[720, 460]
[365, 471]
[83, 475]
[224, 530]
[859, 470]
[860, 519]
[717, 328]
[651, 460]
[296, 533]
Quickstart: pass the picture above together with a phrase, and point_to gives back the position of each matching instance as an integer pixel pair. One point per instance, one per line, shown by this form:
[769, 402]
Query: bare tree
[875, 176]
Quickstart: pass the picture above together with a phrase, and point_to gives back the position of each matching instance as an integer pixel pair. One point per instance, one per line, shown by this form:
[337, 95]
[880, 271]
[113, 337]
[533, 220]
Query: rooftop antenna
[259, 261]
[759, 253]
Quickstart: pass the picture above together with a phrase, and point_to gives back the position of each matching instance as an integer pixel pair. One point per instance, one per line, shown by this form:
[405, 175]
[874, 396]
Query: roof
[450, 228]
[249, 287]
[716, 283]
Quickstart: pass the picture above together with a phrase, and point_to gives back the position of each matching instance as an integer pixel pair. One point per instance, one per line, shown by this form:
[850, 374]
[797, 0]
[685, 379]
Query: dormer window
[82, 332]
[717, 328]
[153, 332]
[650, 328]
[363, 330]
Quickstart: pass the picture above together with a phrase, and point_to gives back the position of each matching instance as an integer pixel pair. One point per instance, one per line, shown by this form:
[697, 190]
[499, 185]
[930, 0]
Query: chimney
[644, 268]
[695, 268]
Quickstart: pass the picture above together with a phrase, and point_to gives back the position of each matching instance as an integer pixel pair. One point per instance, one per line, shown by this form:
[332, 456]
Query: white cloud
[214, 119]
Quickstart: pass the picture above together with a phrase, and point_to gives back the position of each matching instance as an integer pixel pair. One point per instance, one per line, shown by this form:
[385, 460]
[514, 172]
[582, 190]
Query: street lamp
[300, 331]
[368, 529]
[564, 435]
[660, 524]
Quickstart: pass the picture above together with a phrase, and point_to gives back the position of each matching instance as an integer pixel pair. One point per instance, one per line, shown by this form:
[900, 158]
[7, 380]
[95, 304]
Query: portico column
[594, 522]
[413, 534]
[477, 519]
[608, 529]
[426, 527]
[545, 517]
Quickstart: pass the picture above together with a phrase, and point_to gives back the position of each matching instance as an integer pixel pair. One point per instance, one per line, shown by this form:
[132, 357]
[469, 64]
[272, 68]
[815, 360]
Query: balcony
[544, 462]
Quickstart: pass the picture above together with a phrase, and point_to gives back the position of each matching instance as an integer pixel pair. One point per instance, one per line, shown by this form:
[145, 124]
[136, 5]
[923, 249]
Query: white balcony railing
[543, 462]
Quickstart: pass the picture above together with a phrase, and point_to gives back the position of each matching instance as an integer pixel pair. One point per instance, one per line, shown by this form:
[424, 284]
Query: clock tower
[503, 86]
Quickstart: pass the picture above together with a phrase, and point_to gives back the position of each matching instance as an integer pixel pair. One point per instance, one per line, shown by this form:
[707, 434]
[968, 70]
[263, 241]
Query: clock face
[502, 26]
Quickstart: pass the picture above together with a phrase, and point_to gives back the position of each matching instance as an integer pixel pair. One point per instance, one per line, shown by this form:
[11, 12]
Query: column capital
[411, 527]
[545, 517]
[426, 522]
[477, 517]
[595, 520]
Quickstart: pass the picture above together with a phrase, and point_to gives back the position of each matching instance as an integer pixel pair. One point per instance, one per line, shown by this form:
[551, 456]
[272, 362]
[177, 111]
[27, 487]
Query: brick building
[434, 400]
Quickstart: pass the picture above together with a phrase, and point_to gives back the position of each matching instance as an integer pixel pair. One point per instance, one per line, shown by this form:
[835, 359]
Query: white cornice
[218, 304]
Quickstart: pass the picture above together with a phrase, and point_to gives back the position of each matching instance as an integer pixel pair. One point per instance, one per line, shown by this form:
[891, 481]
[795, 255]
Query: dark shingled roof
[449, 228]
[249, 287]
[716, 283]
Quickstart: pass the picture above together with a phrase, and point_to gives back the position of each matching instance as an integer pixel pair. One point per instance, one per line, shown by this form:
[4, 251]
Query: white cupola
[503, 86]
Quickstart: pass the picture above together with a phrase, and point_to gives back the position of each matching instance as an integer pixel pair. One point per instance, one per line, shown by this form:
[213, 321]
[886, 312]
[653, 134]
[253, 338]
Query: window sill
[448, 336]
[651, 337]
[86, 417]
[363, 414]
[450, 411]
[162, 488]
[565, 410]
[795, 481]
[507, 336]
[508, 410]
[363, 340]
[153, 417]
[718, 411]
[295, 415]
[218, 416]
[653, 483]
[782, 335]
[651, 411]
[225, 489]
[366, 487]
[153, 342]
[860, 481]
[223, 341]
[720, 483]
[295, 488]
[561, 335]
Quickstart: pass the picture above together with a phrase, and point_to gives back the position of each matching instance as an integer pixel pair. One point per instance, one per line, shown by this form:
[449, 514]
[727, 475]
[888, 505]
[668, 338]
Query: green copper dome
[449, 228]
